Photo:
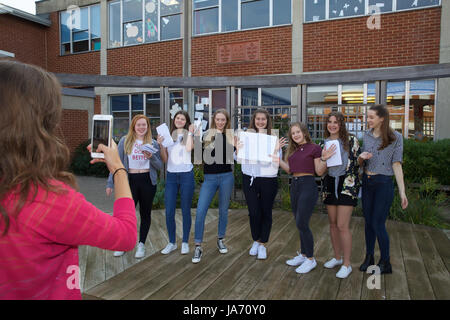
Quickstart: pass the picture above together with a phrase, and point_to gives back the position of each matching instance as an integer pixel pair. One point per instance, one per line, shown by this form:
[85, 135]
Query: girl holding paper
[218, 146]
[180, 176]
[303, 160]
[142, 167]
[381, 158]
[340, 190]
[260, 186]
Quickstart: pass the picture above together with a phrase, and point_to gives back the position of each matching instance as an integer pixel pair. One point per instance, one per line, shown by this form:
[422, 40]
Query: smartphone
[101, 133]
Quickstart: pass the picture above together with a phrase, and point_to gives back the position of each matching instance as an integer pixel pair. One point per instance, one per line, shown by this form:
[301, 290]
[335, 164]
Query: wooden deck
[420, 258]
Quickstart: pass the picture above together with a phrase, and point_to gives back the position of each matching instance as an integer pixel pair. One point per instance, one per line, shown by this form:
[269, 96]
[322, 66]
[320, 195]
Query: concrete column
[442, 117]
[297, 52]
[104, 37]
[187, 38]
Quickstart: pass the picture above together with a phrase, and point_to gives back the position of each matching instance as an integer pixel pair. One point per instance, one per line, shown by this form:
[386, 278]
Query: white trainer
[169, 248]
[119, 253]
[297, 260]
[344, 272]
[307, 266]
[140, 252]
[184, 248]
[332, 263]
[262, 252]
[254, 249]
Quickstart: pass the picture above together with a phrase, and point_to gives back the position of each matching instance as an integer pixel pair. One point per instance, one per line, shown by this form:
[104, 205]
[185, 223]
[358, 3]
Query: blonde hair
[33, 156]
[293, 146]
[210, 134]
[132, 136]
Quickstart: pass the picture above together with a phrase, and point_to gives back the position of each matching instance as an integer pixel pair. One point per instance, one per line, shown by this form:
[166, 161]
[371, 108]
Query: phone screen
[100, 133]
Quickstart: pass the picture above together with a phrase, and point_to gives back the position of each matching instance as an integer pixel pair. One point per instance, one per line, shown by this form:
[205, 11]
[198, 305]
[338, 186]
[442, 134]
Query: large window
[80, 29]
[319, 10]
[212, 16]
[134, 22]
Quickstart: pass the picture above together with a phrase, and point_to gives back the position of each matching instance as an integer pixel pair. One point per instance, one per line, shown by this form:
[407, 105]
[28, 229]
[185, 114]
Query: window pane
[65, 31]
[114, 24]
[170, 27]
[255, 14]
[421, 109]
[229, 15]
[152, 105]
[205, 3]
[132, 33]
[371, 92]
[80, 19]
[206, 21]
[65, 48]
[137, 102]
[322, 95]
[315, 10]
[171, 7]
[132, 10]
[412, 4]
[198, 95]
[396, 105]
[151, 21]
[120, 125]
[219, 100]
[383, 5]
[281, 12]
[176, 97]
[352, 94]
[120, 103]
[276, 96]
[249, 97]
[96, 45]
[346, 8]
[95, 22]
[82, 35]
[81, 46]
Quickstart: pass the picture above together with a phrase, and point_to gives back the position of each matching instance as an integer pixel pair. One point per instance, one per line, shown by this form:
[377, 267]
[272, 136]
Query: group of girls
[378, 160]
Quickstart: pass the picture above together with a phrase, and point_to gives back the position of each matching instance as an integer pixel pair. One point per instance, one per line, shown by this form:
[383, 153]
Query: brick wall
[74, 127]
[405, 38]
[275, 54]
[82, 63]
[26, 39]
[161, 59]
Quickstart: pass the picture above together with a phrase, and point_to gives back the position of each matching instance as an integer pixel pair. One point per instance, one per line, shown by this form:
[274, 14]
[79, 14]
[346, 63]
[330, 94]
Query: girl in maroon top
[303, 159]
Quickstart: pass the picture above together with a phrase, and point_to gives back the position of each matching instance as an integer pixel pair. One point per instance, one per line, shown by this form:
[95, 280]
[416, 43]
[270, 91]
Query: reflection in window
[315, 10]
[114, 27]
[170, 22]
[152, 107]
[229, 15]
[352, 94]
[254, 13]
[383, 6]
[132, 22]
[346, 8]
[322, 95]
[413, 4]
[396, 105]
[206, 20]
[421, 109]
[281, 12]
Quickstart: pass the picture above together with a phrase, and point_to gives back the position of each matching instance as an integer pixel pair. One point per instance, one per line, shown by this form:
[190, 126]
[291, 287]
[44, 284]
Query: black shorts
[343, 199]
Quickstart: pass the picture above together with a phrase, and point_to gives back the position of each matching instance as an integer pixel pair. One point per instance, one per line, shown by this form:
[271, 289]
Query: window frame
[71, 32]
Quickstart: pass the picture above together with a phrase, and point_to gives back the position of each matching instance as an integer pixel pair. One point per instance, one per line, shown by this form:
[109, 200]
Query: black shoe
[385, 266]
[369, 261]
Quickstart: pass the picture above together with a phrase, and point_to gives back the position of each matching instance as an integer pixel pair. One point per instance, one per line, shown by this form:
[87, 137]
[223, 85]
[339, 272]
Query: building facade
[239, 38]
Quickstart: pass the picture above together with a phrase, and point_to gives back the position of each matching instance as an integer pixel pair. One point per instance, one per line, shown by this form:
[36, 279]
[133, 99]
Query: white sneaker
[254, 250]
[344, 272]
[169, 248]
[262, 252]
[307, 266]
[332, 263]
[198, 252]
[140, 252]
[221, 246]
[119, 253]
[297, 260]
[184, 248]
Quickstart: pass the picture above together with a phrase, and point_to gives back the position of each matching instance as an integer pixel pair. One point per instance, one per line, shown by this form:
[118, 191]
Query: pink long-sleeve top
[39, 254]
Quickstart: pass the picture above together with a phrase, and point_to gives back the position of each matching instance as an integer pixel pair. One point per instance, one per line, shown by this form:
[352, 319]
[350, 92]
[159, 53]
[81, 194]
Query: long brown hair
[132, 136]
[268, 117]
[33, 155]
[186, 126]
[293, 146]
[343, 133]
[387, 133]
[209, 136]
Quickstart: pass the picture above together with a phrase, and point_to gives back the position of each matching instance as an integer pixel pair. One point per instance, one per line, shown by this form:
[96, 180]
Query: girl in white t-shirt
[180, 176]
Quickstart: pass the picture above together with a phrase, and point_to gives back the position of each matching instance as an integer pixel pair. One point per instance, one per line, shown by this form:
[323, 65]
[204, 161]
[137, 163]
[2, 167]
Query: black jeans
[143, 192]
[260, 197]
[304, 195]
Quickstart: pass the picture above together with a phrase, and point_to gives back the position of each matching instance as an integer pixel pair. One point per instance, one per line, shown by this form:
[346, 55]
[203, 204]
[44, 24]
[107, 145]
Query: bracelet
[323, 159]
[118, 170]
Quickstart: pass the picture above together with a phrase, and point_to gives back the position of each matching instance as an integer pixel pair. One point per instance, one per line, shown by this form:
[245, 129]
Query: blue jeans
[377, 196]
[183, 182]
[213, 182]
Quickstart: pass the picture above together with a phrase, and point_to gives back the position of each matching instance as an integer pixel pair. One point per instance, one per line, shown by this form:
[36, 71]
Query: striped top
[39, 254]
[382, 160]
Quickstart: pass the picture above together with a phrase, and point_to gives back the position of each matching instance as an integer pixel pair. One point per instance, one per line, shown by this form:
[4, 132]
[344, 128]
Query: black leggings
[143, 192]
[304, 195]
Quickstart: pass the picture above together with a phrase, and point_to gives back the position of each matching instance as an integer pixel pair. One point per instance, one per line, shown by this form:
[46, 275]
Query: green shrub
[80, 163]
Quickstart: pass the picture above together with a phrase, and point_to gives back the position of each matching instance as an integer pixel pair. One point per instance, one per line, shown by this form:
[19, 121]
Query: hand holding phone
[101, 134]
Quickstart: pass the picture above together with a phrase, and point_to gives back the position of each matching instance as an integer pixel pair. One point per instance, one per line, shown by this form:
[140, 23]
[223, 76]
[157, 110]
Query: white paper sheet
[163, 130]
[198, 115]
[257, 147]
[204, 124]
[199, 107]
[336, 159]
[205, 100]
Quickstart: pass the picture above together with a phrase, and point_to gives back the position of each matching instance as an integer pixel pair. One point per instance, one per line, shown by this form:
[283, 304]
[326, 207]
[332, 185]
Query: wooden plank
[350, 288]
[442, 245]
[396, 283]
[82, 257]
[95, 268]
[418, 282]
[437, 272]
[113, 265]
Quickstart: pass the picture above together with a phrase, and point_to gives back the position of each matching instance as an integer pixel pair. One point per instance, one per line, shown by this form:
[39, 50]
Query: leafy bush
[80, 163]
